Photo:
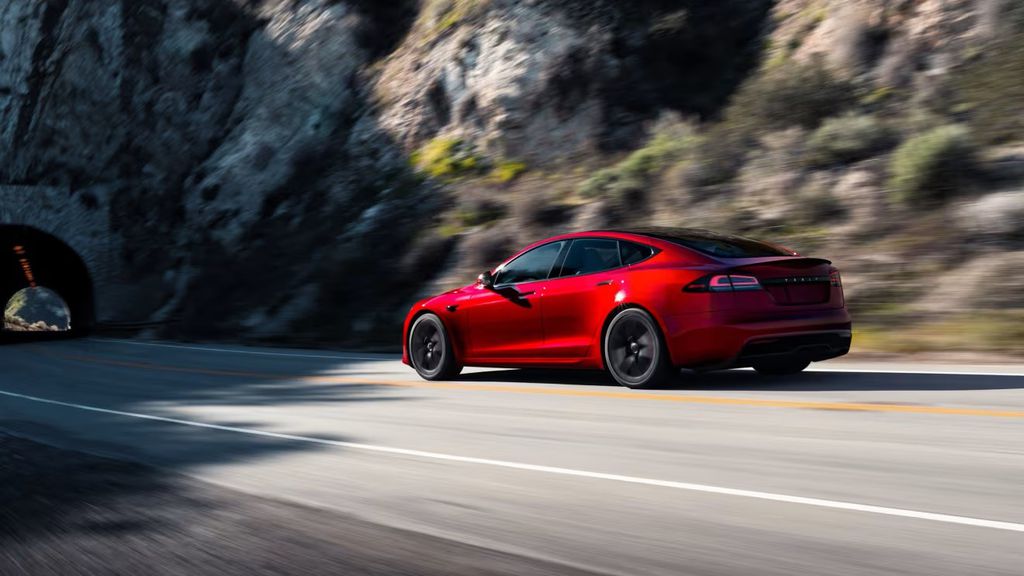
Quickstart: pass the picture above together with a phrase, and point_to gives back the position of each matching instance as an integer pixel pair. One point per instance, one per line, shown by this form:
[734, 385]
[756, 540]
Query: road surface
[849, 469]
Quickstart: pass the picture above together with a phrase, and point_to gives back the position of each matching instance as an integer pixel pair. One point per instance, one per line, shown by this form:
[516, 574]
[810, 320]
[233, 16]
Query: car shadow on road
[748, 380]
[540, 376]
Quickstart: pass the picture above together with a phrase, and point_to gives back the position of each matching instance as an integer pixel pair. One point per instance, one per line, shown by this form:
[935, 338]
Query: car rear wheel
[781, 367]
[634, 352]
[430, 349]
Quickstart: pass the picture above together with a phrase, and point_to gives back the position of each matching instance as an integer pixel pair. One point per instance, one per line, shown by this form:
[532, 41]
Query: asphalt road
[856, 469]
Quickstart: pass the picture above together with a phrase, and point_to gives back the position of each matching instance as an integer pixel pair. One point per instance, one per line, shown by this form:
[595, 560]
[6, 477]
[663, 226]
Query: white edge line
[392, 357]
[819, 502]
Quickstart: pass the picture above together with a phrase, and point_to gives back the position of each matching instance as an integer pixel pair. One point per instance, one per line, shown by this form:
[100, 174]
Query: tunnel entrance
[37, 309]
[45, 287]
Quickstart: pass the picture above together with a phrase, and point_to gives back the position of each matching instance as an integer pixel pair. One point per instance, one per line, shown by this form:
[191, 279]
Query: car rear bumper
[814, 346]
[726, 339]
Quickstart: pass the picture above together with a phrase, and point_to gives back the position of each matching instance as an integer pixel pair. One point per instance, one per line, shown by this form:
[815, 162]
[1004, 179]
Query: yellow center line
[574, 392]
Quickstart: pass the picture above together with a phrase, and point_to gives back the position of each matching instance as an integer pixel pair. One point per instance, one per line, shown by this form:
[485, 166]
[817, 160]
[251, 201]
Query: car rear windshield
[712, 244]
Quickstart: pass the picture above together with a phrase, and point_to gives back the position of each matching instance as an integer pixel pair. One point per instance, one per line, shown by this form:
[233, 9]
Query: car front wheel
[634, 352]
[430, 349]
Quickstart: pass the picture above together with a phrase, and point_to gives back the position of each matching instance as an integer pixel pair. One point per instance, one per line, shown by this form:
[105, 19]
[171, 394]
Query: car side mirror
[486, 279]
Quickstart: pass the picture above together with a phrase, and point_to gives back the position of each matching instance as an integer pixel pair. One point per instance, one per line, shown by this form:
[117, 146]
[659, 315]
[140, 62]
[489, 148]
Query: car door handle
[604, 283]
[523, 294]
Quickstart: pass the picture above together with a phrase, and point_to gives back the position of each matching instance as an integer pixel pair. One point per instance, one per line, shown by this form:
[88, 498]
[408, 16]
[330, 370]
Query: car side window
[588, 255]
[633, 253]
[533, 265]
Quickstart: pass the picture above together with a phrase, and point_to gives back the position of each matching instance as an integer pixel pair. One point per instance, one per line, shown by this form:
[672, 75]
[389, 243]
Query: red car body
[796, 309]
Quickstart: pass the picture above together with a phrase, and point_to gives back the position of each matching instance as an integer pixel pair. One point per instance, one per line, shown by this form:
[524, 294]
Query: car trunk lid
[789, 280]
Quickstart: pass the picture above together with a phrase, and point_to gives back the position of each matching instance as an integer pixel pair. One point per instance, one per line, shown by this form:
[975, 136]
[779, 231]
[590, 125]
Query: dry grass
[990, 331]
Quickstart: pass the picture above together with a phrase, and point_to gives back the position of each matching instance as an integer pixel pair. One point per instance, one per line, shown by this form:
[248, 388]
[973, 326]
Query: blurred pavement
[907, 473]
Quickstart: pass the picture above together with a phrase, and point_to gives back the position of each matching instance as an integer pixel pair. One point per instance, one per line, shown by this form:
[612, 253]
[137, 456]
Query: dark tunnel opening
[40, 267]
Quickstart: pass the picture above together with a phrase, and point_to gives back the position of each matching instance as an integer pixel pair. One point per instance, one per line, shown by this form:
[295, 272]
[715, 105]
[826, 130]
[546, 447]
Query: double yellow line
[573, 392]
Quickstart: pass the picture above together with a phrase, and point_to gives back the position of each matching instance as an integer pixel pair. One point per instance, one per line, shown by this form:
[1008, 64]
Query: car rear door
[579, 295]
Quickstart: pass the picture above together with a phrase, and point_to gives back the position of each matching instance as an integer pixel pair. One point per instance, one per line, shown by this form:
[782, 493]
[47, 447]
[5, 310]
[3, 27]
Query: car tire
[430, 349]
[634, 351]
[781, 367]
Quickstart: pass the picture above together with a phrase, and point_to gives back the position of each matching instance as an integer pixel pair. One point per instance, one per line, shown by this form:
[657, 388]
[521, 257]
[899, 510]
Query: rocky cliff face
[305, 168]
[230, 143]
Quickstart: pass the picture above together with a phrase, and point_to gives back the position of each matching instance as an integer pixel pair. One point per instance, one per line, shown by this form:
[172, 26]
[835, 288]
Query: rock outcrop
[542, 81]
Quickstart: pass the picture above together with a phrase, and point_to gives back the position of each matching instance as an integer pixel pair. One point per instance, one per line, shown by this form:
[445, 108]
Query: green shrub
[478, 210]
[847, 138]
[610, 182]
[933, 165]
[877, 96]
[450, 230]
[507, 171]
[446, 158]
[454, 12]
[670, 143]
[721, 156]
[791, 94]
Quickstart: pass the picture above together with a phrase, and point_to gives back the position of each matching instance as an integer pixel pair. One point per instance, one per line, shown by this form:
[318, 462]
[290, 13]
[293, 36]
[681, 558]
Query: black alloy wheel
[634, 352]
[430, 349]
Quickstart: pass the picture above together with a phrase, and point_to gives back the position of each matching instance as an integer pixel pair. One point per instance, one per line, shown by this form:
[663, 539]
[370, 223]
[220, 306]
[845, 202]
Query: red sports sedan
[640, 303]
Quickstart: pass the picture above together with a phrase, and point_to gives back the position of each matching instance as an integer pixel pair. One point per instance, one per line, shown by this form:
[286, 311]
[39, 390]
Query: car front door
[504, 321]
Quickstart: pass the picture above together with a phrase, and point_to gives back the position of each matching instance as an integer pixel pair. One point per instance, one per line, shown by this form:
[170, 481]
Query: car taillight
[719, 284]
[834, 279]
[723, 283]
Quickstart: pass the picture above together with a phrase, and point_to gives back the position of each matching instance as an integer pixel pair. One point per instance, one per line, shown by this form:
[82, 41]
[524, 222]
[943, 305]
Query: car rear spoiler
[736, 263]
